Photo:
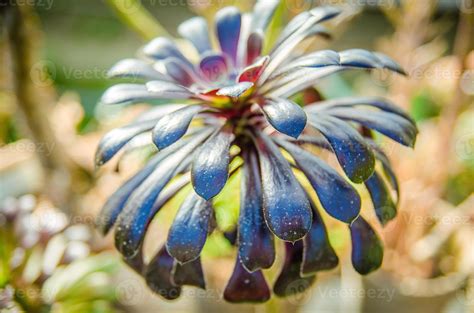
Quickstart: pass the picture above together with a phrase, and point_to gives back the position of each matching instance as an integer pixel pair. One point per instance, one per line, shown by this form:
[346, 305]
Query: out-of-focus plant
[450, 240]
[47, 265]
[432, 236]
[28, 89]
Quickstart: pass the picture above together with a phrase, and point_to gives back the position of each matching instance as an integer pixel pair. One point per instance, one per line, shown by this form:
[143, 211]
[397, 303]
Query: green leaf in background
[275, 26]
[6, 249]
[69, 280]
[460, 186]
[424, 107]
[89, 307]
[217, 246]
[226, 207]
[227, 204]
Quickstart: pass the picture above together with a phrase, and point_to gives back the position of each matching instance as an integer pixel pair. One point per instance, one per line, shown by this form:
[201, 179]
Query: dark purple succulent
[238, 96]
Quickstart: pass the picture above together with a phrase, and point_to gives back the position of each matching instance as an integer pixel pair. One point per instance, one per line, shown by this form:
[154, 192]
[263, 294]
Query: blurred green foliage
[424, 106]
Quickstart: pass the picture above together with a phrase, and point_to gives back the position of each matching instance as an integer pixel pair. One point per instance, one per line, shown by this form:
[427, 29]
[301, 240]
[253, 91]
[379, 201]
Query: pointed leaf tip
[289, 281]
[189, 274]
[245, 287]
[158, 276]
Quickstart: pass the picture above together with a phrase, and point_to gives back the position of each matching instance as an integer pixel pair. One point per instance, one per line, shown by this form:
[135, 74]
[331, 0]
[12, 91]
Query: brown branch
[35, 102]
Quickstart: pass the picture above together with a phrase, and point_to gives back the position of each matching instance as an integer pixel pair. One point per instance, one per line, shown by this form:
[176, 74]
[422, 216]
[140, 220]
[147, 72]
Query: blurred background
[54, 58]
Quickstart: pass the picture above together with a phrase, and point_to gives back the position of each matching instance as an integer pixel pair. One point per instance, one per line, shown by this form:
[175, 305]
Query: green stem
[134, 14]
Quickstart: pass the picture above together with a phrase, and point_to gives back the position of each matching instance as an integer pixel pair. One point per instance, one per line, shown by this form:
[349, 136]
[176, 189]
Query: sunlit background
[53, 71]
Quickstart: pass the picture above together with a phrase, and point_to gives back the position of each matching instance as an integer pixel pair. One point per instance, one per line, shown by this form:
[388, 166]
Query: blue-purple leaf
[157, 112]
[114, 140]
[188, 232]
[228, 23]
[210, 168]
[254, 46]
[116, 202]
[324, 13]
[281, 53]
[171, 127]
[384, 206]
[389, 63]
[386, 166]
[255, 241]
[214, 67]
[139, 209]
[317, 59]
[306, 20]
[286, 116]
[189, 274]
[136, 262]
[389, 124]
[289, 281]
[305, 77]
[246, 287]
[158, 276]
[285, 206]
[318, 254]
[179, 71]
[352, 152]
[162, 48]
[359, 58]
[299, 68]
[376, 102]
[167, 90]
[127, 94]
[196, 30]
[135, 68]
[327, 183]
[367, 249]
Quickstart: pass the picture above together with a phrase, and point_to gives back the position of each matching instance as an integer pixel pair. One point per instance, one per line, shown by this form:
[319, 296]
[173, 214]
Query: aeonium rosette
[234, 107]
